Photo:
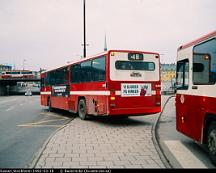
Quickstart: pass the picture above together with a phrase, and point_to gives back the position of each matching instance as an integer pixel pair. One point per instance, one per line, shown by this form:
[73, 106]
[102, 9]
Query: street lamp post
[84, 30]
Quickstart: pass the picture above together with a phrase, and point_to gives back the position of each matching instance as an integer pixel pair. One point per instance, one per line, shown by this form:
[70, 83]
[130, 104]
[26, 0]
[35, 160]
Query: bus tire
[211, 142]
[50, 109]
[82, 109]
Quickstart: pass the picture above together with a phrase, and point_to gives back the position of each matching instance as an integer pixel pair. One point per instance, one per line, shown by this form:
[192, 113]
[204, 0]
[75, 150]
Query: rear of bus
[134, 83]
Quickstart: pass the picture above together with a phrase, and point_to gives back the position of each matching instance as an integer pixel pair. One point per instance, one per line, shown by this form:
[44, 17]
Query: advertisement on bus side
[61, 91]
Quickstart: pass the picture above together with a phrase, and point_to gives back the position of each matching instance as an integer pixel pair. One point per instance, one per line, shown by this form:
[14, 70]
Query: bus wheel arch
[209, 118]
[82, 108]
[211, 141]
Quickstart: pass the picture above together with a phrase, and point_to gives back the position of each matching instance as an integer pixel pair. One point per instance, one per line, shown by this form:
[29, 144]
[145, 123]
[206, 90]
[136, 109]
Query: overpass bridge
[7, 83]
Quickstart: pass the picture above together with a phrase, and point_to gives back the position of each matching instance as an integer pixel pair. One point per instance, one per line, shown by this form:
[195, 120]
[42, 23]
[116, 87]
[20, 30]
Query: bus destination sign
[135, 56]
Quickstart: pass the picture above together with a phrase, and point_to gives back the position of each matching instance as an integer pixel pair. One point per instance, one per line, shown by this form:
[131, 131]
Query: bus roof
[199, 40]
[76, 61]
[97, 55]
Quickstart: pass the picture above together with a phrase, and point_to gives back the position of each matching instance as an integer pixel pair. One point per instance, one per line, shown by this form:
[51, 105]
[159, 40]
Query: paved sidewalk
[169, 112]
[103, 143]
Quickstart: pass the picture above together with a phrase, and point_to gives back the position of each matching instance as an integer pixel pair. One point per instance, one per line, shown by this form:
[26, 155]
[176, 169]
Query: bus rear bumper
[134, 111]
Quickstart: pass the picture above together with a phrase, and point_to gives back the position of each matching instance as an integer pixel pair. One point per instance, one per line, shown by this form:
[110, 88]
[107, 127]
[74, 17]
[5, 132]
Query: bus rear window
[129, 65]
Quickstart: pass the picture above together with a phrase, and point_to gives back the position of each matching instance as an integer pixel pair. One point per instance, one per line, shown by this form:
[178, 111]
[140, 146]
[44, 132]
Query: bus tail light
[158, 86]
[183, 119]
[158, 89]
[112, 95]
[158, 95]
[112, 98]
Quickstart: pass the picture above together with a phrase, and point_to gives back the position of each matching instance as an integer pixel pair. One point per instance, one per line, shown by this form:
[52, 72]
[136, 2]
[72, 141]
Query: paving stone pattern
[103, 143]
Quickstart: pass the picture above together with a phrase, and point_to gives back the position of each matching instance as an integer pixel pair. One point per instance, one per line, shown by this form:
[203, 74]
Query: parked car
[28, 93]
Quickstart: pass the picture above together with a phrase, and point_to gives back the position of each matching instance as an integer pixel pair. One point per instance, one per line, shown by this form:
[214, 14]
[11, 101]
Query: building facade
[5, 68]
[168, 77]
[168, 72]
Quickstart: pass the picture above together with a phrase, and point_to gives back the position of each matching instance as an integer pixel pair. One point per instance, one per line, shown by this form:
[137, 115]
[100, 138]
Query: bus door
[60, 90]
[182, 105]
[189, 104]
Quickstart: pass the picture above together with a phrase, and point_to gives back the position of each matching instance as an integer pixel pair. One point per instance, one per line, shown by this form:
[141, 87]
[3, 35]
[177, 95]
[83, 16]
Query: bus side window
[213, 76]
[86, 71]
[47, 79]
[99, 69]
[42, 82]
[205, 53]
[66, 75]
[75, 73]
[201, 69]
[52, 78]
[182, 75]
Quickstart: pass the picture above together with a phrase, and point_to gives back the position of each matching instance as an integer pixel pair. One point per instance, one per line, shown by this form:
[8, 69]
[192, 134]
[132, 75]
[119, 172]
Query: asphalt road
[181, 151]
[24, 127]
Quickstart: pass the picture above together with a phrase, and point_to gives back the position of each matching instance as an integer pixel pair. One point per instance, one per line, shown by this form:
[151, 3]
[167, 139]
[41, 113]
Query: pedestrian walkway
[169, 110]
[103, 143]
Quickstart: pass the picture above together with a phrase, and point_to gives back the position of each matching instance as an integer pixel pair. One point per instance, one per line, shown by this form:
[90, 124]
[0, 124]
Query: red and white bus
[113, 83]
[196, 91]
[17, 74]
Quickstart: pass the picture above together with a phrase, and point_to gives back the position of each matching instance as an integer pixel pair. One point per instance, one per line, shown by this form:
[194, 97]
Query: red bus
[196, 91]
[113, 83]
[17, 74]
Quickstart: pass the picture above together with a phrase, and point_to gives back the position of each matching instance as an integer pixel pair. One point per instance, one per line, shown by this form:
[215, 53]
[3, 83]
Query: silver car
[28, 93]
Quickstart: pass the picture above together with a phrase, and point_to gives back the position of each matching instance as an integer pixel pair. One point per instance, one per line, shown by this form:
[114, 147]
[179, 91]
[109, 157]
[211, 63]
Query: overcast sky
[49, 33]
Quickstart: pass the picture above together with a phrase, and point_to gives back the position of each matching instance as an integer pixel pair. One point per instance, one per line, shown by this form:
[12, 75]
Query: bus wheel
[50, 109]
[212, 142]
[82, 109]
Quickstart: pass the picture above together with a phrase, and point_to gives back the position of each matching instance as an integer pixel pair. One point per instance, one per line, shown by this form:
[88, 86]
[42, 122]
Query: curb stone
[158, 147]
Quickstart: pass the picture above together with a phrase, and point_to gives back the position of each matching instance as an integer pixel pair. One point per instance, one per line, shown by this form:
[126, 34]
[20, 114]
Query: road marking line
[9, 109]
[184, 156]
[40, 122]
[53, 115]
[29, 125]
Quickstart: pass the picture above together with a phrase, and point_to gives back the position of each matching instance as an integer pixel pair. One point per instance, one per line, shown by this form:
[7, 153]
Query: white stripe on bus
[103, 93]
[48, 93]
